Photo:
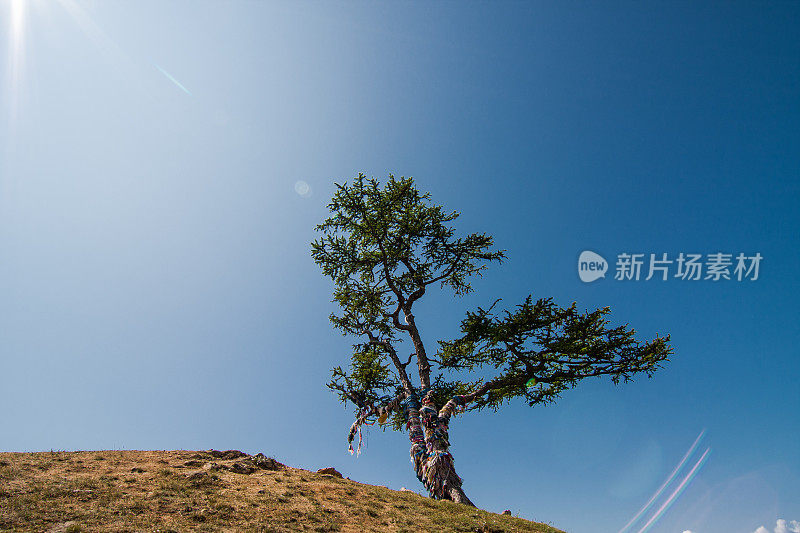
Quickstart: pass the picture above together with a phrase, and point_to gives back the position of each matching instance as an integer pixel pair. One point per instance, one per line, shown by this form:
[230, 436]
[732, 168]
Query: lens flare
[117, 58]
[173, 80]
[666, 483]
[677, 492]
[302, 188]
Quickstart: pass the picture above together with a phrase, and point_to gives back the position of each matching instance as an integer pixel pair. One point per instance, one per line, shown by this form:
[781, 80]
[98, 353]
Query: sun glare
[15, 52]
[17, 19]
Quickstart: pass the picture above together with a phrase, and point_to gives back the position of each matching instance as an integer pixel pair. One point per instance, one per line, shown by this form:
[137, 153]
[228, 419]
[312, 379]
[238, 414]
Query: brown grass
[175, 491]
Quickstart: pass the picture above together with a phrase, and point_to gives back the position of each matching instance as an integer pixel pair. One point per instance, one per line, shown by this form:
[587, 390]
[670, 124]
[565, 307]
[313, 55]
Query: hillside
[213, 491]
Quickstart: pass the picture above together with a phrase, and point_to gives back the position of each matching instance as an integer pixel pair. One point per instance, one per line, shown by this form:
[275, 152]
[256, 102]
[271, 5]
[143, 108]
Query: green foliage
[541, 349]
[369, 378]
[383, 247]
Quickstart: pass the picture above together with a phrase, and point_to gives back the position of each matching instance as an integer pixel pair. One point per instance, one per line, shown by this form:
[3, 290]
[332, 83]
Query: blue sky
[157, 285]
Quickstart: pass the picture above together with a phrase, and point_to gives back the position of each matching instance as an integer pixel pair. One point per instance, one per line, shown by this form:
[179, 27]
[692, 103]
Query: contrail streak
[666, 483]
[173, 80]
[677, 492]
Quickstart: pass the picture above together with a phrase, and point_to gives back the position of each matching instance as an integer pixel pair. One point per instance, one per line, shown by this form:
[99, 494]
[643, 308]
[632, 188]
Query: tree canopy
[383, 248]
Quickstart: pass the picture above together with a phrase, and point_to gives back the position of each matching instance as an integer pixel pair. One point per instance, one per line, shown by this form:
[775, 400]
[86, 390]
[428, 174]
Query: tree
[383, 247]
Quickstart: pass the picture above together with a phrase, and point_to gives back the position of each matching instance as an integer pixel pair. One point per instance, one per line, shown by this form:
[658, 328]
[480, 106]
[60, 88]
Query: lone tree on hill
[384, 247]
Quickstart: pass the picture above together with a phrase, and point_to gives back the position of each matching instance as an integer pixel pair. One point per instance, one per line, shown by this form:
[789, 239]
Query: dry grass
[182, 490]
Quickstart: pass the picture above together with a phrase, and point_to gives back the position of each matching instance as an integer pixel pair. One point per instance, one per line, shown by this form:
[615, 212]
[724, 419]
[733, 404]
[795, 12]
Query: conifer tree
[385, 247]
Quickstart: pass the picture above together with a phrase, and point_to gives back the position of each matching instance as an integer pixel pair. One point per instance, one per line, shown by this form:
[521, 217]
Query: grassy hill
[213, 491]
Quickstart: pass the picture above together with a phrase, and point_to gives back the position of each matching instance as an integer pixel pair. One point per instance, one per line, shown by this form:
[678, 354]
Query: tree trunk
[458, 496]
[446, 481]
[419, 348]
[430, 453]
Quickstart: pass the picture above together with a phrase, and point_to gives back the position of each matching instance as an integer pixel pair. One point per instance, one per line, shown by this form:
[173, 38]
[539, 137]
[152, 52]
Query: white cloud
[781, 526]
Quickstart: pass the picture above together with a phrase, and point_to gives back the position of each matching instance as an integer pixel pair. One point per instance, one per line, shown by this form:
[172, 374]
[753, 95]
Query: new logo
[591, 266]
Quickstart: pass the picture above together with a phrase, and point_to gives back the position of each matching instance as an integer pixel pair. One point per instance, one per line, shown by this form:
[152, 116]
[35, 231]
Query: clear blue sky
[156, 285]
